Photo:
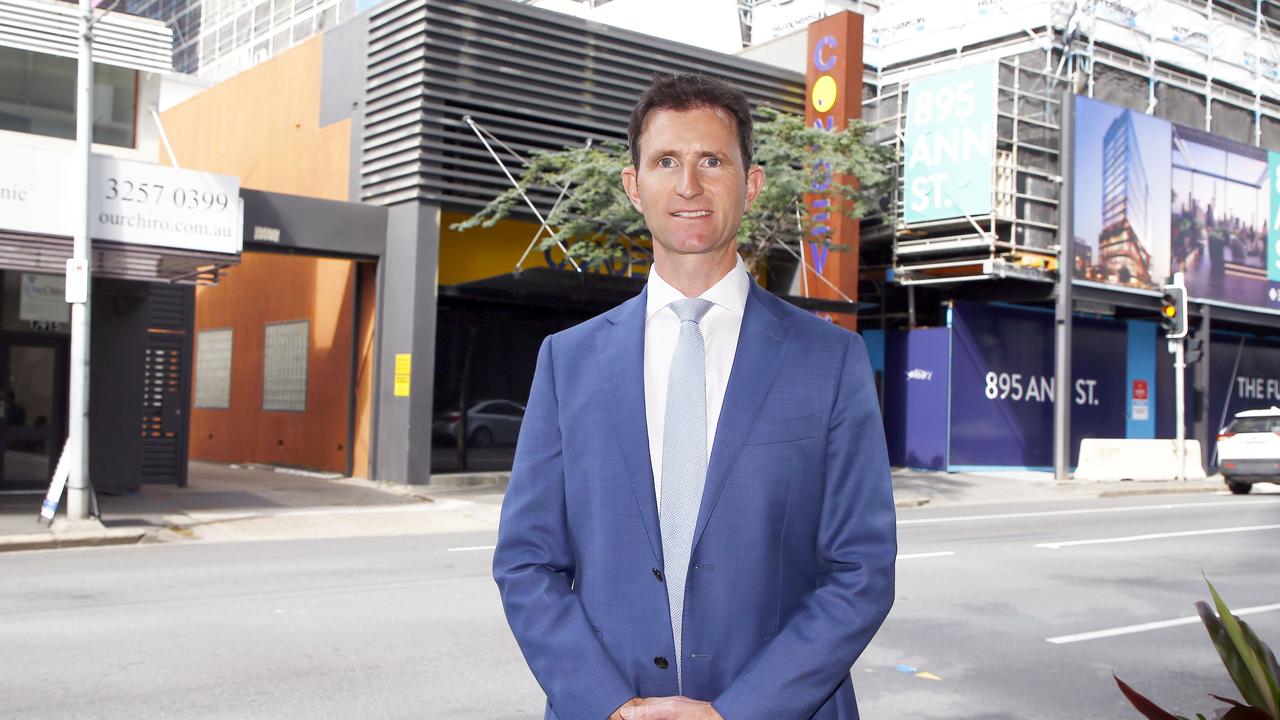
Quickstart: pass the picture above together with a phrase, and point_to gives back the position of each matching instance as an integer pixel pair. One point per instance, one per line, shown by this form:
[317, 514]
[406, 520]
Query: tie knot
[691, 309]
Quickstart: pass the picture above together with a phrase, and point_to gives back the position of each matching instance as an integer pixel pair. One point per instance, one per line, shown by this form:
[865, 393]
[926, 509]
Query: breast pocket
[772, 430]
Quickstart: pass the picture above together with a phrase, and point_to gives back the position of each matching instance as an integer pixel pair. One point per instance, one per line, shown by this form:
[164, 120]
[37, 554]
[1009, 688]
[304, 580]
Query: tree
[598, 224]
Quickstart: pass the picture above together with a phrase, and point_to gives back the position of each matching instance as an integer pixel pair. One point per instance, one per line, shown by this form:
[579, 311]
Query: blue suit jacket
[794, 548]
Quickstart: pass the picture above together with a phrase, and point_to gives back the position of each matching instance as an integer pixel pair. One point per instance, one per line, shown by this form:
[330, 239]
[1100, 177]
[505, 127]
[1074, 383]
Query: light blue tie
[684, 459]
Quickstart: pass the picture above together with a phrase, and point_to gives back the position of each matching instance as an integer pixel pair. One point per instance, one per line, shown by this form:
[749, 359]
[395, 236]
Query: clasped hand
[665, 708]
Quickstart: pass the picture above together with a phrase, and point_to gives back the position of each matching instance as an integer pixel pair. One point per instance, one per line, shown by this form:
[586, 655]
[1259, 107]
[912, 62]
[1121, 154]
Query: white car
[1249, 449]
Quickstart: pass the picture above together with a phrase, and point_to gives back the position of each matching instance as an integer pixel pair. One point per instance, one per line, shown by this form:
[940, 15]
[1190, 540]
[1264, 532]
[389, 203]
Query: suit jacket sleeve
[857, 546]
[533, 565]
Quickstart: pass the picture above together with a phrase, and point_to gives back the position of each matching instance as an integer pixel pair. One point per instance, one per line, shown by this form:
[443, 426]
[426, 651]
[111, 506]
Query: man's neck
[693, 275]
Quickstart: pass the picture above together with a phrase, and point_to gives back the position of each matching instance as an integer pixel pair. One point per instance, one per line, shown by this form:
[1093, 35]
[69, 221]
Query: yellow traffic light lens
[1169, 311]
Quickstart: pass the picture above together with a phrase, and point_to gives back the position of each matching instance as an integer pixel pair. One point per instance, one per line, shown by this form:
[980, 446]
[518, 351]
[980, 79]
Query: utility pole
[78, 282]
[1066, 270]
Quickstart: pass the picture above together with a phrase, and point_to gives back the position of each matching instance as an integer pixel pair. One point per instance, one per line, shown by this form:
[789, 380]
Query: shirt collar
[730, 292]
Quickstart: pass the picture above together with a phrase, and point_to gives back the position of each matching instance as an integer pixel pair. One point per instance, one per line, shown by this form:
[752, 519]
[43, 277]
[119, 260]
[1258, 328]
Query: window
[1179, 105]
[213, 369]
[38, 96]
[284, 366]
[1270, 133]
[1232, 121]
[1118, 87]
[304, 29]
[326, 19]
[1254, 425]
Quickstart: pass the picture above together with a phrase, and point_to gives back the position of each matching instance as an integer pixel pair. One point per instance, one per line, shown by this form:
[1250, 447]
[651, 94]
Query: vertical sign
[833, 81]
[1273, 232]
[950, 143]
[404, 367]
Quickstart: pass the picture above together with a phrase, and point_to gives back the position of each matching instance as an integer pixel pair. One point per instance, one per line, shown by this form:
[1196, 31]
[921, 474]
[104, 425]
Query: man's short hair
[690, 91]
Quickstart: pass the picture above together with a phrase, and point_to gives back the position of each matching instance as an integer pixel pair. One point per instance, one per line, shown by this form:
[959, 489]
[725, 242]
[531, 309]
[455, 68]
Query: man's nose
[688, 184]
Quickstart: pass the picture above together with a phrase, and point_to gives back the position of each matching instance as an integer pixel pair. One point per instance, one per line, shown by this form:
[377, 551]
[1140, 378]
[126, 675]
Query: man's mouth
[691, 213]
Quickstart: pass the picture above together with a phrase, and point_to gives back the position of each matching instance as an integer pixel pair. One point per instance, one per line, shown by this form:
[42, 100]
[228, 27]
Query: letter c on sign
[824, 64]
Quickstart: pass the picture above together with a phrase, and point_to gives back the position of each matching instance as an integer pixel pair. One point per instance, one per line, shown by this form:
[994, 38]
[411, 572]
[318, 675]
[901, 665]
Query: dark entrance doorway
[33, 372]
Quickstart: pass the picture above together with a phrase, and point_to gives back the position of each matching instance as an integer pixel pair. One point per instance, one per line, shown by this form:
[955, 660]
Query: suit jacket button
[661, 662]
[658, 574]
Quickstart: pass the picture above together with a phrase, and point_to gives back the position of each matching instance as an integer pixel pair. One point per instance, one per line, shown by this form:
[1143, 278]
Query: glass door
[30, 413]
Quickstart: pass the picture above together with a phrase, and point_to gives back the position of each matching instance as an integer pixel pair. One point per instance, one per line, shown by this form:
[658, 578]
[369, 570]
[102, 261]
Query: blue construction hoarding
[978, 394]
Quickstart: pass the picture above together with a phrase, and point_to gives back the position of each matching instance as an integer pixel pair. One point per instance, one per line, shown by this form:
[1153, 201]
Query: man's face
[691, 184]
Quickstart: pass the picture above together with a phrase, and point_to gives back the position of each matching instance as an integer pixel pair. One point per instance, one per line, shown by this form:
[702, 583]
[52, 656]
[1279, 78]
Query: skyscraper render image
[1122, 247]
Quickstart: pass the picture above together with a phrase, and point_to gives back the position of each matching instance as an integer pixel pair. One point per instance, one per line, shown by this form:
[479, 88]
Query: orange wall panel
[263, 126]
[368, 289]
[319, 290]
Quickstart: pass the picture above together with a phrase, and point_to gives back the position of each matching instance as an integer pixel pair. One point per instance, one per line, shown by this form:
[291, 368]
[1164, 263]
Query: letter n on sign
[833, 96]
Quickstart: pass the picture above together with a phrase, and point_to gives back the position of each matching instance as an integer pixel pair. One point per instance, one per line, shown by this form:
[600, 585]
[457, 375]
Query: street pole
[78, 405]
[1066, 269]
[1179, 391]
[1178, 347]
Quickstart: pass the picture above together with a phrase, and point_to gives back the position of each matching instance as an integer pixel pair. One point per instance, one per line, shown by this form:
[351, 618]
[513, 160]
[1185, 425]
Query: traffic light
[1195, 350]
[1173, 311]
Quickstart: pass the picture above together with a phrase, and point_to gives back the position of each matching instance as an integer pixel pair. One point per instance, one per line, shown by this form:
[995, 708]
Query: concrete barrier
[1104, 459]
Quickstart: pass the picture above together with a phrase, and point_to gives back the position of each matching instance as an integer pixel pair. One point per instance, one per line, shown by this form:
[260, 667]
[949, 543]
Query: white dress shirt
[720, 328]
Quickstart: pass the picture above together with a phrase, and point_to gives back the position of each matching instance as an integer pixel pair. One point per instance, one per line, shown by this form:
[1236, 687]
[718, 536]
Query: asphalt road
[411, 627]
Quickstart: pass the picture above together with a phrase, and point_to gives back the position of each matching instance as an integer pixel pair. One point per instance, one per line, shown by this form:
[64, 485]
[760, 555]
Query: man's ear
[631, 184]
[755, 183]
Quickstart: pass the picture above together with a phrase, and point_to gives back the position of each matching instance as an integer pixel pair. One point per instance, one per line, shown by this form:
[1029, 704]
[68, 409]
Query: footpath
[224, 503]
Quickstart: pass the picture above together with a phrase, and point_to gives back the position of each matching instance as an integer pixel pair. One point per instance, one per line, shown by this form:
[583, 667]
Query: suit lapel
[760, 344]
[621, 348]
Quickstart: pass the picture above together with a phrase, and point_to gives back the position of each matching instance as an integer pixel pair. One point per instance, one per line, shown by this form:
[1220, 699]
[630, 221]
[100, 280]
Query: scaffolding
[1017, 238]
[1141, 63]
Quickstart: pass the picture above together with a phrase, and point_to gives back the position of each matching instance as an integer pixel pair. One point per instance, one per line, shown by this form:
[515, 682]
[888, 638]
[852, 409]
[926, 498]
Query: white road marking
[1090, 511]
[1130, 629]
[917, 556]
[1156, 536]
[473, 547]
[431, 507]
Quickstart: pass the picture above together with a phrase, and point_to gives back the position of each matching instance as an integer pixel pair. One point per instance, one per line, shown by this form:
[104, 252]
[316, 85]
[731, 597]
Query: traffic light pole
[1178, 348]
[1174, 318]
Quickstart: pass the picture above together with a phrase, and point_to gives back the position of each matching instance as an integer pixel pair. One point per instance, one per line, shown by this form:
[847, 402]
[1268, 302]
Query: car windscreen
[1255, 425]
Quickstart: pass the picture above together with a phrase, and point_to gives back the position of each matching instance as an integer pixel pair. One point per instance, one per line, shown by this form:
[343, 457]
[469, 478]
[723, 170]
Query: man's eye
[713, 162]
[666, 162]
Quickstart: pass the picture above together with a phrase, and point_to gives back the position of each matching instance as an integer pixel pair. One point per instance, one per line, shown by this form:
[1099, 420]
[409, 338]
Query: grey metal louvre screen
[535, 78]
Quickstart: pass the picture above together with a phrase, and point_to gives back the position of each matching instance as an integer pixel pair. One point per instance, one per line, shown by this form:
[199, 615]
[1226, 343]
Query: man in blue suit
[700, 521]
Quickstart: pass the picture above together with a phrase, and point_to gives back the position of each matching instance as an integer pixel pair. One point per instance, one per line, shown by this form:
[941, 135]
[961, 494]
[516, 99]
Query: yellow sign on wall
[404, 364]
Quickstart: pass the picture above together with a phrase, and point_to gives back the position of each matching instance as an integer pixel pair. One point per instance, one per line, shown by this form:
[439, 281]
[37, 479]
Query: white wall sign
[776, 18]
[131, 202]
[41, 299]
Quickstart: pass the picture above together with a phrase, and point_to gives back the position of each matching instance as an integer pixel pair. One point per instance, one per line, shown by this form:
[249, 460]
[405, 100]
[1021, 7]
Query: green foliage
[795, 156]
[597, 222]
[595, 218]
[1250, 663]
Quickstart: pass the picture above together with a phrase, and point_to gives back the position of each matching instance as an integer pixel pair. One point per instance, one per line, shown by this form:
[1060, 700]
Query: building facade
[416, 101]
[144, 266]
[402, 334]
[216, 39]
